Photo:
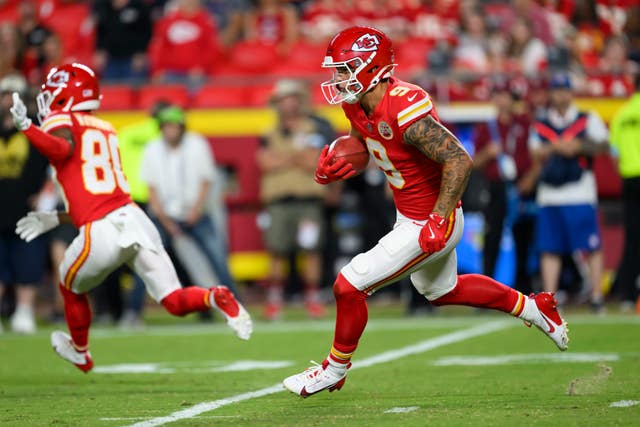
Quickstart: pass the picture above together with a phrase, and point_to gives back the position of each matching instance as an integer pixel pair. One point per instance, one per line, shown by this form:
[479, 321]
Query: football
[352, 150]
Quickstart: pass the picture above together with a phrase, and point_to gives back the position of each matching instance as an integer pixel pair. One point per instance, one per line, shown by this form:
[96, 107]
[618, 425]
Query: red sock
[476, 290]
[351, 319]
[187, 300]
[77, 312]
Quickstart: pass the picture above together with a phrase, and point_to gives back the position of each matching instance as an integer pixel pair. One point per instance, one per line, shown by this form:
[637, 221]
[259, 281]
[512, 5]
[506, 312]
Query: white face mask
[344, 85]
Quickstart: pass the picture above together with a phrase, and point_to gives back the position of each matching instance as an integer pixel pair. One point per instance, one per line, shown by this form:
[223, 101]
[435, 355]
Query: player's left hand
[433, 234]
[36, 223]
[19, 113]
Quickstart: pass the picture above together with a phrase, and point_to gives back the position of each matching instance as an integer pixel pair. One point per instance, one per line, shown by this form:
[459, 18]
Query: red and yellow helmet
[69, 87]
[361, 57]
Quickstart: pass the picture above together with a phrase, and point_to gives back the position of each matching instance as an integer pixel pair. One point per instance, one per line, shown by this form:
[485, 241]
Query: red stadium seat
[174, 93]
[219, 96]
[117, 97]
[412, 56]
[73, 24]
[247, 58]
[304, 60]
[259, 94]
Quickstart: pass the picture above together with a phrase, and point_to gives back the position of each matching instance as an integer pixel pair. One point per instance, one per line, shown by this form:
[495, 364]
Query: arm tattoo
[438, 144]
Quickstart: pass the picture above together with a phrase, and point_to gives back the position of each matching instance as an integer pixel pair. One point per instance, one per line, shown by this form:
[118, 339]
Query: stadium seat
[220, 96]
[246, 58]
[73, 24]
[117, 97]
[304, 60]
[259, 94]
[412, 55]
[174, 93]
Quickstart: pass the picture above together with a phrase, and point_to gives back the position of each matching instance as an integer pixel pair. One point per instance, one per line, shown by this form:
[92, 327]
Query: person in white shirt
[564, 143]
[180, 171]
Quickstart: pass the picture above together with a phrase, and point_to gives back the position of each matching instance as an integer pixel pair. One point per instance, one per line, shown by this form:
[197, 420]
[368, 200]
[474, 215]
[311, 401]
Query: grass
[37, 388]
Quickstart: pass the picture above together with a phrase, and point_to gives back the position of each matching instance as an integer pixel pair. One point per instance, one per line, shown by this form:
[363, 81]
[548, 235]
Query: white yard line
[387, 356]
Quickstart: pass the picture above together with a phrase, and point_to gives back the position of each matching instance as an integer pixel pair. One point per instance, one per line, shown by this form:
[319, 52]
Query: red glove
[329, 170]
[432, 236]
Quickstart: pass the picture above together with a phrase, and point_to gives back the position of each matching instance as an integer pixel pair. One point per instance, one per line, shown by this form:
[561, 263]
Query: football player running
[427, 170]
[83, 152]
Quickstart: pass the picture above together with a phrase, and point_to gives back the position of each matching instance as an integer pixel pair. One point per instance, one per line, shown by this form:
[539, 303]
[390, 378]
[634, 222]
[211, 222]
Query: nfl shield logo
[385, 130]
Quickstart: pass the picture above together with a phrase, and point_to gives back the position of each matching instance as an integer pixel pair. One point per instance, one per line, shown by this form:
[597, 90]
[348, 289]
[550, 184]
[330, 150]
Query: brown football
[352, 150]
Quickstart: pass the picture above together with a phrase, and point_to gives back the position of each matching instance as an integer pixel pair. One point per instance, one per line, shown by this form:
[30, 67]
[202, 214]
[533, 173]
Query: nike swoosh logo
[412, 97]
[432, 235]
[549, 323]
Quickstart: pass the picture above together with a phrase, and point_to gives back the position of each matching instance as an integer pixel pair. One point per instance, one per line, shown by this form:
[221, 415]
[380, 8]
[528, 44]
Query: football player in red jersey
[427, 170]
[83, 151]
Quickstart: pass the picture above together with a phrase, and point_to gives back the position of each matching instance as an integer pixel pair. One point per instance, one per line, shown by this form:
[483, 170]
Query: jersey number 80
[101, 168]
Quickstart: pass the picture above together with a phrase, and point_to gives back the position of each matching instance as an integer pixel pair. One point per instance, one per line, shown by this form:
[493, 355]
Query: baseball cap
[287, 87]
[171, 114]
[560, 81]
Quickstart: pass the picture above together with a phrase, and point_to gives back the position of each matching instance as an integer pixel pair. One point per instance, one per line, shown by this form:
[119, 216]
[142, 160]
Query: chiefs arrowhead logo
[58, 79]
[366, 43]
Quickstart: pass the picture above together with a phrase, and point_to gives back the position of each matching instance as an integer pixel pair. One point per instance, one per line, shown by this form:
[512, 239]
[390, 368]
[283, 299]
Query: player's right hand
[329, 170]
[36, 223]
[433, 236]
[19, 113]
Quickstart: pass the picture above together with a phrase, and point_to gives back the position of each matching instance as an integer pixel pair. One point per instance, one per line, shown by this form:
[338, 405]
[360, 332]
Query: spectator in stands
[123, 31]
[625, 140]
[272, 23]
[23, 172]
[590, 38]
[471, 52]
[184, 44]
[632, 30]
[616, 67]
[34, 35]
[503, 155]
[180, 171]
[536, 17]
[52, 55]
[293, 201]
[322, 19]
[527, 53]
[11, 49]
[564, 142]
[537, 98]
[229, 16]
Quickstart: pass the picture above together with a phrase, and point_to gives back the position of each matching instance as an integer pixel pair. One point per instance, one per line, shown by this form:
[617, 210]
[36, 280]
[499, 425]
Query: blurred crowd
[528, 58]
[195, 41]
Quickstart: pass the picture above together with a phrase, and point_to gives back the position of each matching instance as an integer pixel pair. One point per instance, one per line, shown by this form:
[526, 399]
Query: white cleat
[549, 320]
[63, 345]
[314, 380]
[23, 320]
[237, 317]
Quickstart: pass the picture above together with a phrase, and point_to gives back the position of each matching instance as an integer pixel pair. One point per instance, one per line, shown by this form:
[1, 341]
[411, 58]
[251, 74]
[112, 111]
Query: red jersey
[183, 42]
[91, 179]
[412, 176]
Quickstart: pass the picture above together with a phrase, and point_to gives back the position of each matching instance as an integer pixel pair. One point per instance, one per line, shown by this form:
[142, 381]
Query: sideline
[387, 356]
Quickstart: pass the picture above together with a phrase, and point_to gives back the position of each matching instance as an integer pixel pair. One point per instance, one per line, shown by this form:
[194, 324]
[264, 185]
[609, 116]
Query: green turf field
[443, 370]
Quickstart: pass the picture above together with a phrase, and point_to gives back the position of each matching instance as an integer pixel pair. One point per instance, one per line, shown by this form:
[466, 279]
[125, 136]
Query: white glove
[19, 113]
[36, 223]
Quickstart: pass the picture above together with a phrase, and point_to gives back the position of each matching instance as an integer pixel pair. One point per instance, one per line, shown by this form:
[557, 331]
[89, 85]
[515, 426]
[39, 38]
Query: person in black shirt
[23, 171]
[123, 31]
